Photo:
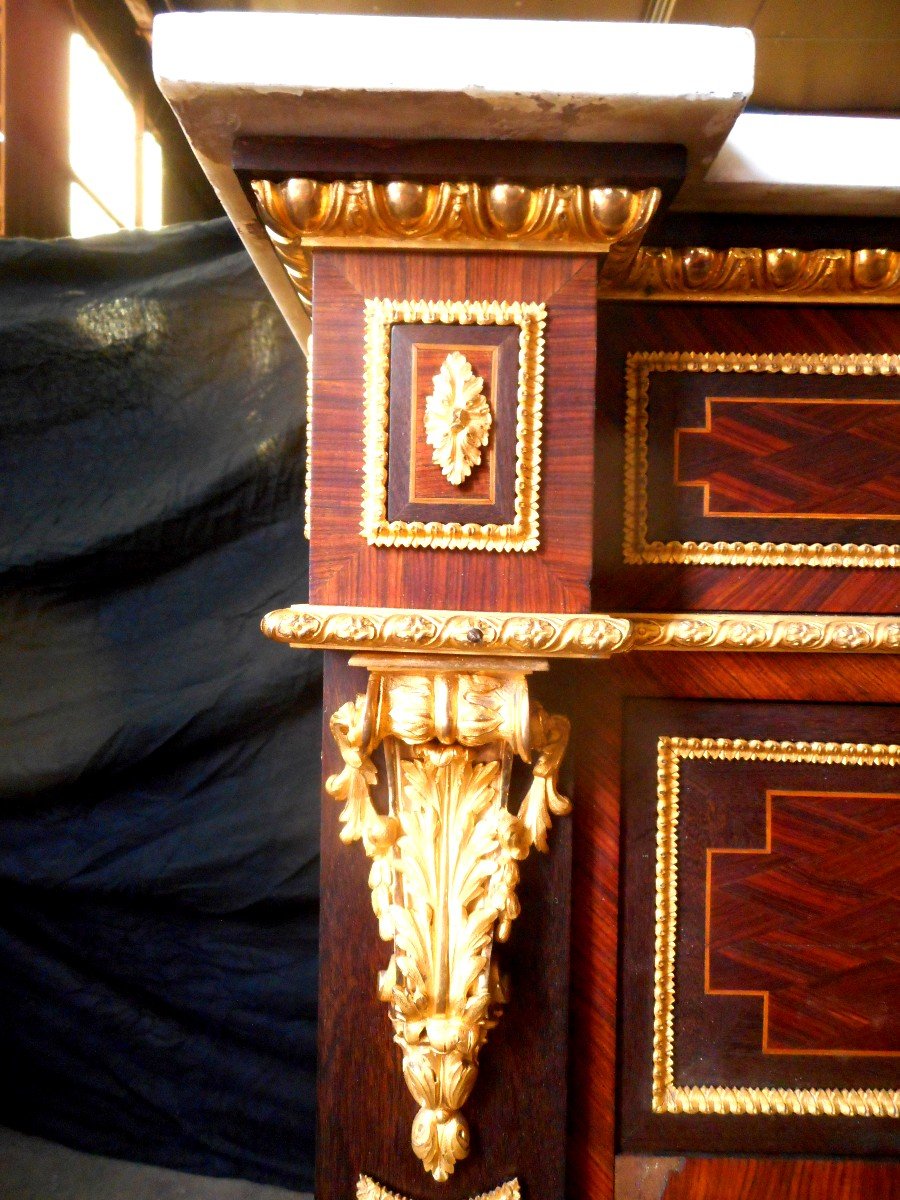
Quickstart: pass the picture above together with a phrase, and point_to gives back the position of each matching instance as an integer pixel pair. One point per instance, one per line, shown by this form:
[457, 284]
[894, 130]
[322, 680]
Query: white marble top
[424, 77]
[588, 59]
[293, 74]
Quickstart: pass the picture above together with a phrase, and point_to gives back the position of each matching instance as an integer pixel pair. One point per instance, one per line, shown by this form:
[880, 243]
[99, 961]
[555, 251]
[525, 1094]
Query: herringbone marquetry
[813, 923]
[795, 458]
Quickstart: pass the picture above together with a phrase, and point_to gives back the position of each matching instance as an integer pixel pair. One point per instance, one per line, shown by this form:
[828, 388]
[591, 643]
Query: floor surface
[33, 1169]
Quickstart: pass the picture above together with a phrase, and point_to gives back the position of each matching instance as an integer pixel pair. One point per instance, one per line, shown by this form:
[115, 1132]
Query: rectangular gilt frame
[667, 1096]
[638, 551]
[522, 533]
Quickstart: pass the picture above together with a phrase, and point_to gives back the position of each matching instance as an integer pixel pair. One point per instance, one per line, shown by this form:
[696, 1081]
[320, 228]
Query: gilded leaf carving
[445, 863]
[457, 418]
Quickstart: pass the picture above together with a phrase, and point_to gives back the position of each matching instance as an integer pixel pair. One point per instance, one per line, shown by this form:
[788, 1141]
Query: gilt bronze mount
[445, 856]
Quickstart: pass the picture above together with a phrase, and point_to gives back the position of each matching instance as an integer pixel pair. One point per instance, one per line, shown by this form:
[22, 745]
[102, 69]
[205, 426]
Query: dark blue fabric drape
[159, 759]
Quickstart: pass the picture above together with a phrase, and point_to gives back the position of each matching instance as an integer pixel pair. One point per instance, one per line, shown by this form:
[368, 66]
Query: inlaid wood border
[307, 483]
[637, 550]
[522, 533]
[667, 1097]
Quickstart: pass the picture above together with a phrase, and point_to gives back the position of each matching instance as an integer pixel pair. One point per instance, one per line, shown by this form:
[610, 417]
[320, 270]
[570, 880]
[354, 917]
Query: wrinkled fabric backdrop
[159, 759]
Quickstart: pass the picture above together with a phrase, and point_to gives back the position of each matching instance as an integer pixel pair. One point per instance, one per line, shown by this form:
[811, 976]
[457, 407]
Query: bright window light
[111, 156]
[153, 183]
[102, 133]
[86, 217]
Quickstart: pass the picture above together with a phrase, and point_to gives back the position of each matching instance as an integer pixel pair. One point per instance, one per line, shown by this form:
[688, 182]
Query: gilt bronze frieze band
[749, 273]
[587, 635]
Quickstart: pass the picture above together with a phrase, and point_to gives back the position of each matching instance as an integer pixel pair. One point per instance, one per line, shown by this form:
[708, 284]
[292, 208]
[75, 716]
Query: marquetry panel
[454, 409]
[823, 460]
[542, 307]
[810, 923]
[603, 700]
[749, 456]
[418, 489]
[763, 460]
[644, 1177]
[761, 933]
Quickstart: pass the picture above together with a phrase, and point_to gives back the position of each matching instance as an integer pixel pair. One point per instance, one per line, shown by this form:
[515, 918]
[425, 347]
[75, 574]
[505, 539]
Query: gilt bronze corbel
[448, 704]
[445, 857]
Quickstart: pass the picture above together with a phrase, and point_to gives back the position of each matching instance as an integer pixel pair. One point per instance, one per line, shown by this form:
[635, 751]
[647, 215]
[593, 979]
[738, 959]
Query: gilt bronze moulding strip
[592, 635]
[454, 215]
[798, 633]
[551, 635]
[784, 275]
